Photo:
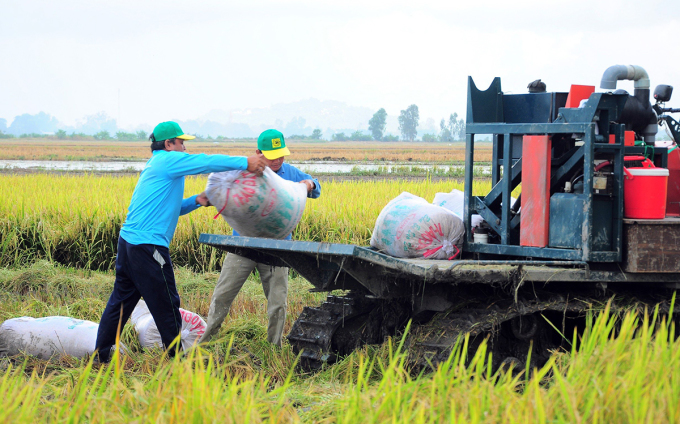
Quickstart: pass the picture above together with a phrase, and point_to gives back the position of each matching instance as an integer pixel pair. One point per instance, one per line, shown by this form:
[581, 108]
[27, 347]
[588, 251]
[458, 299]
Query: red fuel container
[644, 193]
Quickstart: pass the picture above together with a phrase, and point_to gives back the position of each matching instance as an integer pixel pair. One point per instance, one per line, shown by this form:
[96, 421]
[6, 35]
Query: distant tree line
[316, 135]
[409, 119]
[101, 135]
[355, 136]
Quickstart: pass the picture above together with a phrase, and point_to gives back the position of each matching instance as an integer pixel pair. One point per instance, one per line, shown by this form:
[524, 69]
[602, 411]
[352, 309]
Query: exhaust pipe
[637, 114]
[623, 72]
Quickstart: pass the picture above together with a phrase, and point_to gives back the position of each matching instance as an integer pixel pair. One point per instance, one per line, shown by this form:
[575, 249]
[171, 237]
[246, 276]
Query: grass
[74, 219]
[621, 371]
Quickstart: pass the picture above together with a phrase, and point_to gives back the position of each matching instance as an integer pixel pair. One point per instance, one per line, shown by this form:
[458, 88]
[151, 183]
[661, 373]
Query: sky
[151, 61]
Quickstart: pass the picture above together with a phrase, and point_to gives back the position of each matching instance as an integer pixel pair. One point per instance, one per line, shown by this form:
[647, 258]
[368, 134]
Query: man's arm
[192, 203]
[315, 192]
[189, 204]
[181, 164]
[298, 176]
[202, 199]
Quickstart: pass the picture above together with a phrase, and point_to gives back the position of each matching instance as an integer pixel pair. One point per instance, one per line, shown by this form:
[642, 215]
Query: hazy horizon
[141, 63]
[300, 117]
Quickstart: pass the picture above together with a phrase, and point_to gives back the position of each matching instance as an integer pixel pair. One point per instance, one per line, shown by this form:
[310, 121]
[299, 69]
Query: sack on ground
[48, 337]
[454, 202]
[193, 327]
[410, 227]
[266, 206]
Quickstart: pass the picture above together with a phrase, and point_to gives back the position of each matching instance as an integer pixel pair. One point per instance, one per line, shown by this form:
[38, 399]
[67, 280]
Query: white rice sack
[266, 206]
[454, 202]
[410, 227]
[193, 327]
[48, 337]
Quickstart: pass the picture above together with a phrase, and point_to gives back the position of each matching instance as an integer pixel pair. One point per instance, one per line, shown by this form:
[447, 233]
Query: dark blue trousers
[139, 274]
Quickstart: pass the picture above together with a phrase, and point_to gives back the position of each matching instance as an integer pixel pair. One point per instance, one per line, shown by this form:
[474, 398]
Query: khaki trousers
[235, 271]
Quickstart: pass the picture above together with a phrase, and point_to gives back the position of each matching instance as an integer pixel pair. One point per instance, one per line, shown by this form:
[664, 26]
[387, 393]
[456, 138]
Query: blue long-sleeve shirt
[157, 200]
[291, 173]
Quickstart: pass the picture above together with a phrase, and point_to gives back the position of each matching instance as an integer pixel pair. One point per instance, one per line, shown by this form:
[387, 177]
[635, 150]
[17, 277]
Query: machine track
[341, 324]
[518, 329]
[513, 329]
[313, 331]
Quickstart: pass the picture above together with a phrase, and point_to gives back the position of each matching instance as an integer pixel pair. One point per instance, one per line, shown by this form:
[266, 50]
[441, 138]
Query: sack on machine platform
[410, 227]
[266, 206]
[454, 202]
[193, 327]
[48, 337]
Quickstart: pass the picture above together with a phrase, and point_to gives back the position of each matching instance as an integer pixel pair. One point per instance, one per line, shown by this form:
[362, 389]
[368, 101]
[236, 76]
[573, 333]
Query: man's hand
[202, 200]
[256, 164]
[309, 184]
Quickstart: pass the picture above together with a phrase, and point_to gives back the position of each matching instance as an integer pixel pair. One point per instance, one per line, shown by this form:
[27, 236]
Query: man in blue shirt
[143, 266]
[235, 271]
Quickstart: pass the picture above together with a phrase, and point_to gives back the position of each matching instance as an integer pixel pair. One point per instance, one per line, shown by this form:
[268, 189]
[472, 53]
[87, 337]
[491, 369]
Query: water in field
[312, 168]
[69, 165]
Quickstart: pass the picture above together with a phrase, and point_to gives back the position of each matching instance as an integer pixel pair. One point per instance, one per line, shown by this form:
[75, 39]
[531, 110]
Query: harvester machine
[596, 222]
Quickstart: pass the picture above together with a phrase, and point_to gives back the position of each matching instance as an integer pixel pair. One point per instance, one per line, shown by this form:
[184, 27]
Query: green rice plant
[620, 373]
[619, 369]
[624, 380]
[75, 219]
[178, 391]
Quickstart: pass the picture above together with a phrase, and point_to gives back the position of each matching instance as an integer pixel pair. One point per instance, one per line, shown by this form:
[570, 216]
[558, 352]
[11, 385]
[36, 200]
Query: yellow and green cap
[272, 145]
[168, 130]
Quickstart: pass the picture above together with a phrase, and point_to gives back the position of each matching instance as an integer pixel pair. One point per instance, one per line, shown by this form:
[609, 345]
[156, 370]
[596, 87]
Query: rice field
[75, 219]
[622, 371]
[417, 152]
[57, 244]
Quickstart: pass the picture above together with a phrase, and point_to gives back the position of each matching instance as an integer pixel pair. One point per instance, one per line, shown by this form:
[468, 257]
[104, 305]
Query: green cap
[272, 144]
[168, 130]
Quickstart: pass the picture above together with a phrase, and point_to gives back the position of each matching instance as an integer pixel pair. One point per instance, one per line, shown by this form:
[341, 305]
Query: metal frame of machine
[581, 134]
